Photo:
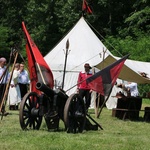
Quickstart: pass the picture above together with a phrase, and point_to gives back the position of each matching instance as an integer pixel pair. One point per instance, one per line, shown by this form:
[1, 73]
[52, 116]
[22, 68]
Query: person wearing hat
[82, 87]
[4, 77]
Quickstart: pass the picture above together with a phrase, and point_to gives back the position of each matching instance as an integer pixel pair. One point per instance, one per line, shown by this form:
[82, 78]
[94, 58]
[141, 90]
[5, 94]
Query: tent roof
[131, 69]
[84, 47]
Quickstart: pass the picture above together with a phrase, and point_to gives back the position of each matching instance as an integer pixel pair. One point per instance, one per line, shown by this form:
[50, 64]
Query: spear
[66, 54]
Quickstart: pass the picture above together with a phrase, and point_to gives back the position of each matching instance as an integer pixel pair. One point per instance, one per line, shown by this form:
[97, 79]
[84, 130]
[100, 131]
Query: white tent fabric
[85, 47]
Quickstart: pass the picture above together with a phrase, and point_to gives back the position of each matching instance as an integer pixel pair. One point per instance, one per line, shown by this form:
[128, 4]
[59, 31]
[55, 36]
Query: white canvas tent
[84, 47]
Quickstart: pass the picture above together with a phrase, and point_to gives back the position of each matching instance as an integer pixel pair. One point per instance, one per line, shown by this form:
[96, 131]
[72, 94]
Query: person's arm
[123, 86]
[28, 78]
[78, 82]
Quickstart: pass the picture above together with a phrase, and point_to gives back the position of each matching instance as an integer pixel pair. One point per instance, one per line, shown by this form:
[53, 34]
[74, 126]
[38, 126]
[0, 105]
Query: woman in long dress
[14, 96]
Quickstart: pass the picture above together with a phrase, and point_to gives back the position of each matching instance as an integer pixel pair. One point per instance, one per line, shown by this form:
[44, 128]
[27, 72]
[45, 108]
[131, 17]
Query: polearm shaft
[6, 69]
[8, 84]
[66, 54]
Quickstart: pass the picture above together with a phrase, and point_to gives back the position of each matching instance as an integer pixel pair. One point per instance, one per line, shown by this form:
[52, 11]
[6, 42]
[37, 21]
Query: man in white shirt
[131, 88]
[23, 80]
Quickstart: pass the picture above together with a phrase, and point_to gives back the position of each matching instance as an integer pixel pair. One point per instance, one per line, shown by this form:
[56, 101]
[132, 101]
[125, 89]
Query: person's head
[17, 66]
[129, 82]
[21, 66]
[87, 67]
[2, 62]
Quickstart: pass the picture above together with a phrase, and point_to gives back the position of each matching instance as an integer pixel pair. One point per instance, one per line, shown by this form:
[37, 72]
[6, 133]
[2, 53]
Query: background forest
[123, 26]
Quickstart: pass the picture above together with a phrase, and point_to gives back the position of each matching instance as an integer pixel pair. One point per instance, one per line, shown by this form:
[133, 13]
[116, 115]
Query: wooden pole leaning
[4, 72]
[41, 73]
[8, 85]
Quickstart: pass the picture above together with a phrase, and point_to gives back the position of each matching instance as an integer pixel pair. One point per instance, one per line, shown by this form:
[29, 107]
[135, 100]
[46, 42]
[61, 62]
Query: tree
[4, 43]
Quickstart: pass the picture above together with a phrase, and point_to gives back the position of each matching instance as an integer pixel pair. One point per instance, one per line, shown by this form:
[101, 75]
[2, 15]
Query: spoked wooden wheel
[74, 114]
[29, 112]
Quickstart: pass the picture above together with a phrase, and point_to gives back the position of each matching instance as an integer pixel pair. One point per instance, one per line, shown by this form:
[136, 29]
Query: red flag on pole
[38, 68]
[86, 8]
[103, 81]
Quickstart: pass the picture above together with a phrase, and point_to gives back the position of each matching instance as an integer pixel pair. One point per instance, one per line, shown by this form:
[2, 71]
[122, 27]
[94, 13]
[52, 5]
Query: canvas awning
[131, 70]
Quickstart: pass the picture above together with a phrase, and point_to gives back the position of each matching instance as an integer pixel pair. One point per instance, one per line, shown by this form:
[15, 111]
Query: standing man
[83, 88]
[4, 77]
[23, 80]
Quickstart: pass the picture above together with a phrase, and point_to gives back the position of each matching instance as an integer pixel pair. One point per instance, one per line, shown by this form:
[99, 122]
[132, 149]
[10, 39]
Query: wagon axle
[34, 112]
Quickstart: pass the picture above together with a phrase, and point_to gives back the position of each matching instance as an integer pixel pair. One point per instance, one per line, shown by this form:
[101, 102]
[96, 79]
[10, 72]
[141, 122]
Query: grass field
[117, 135]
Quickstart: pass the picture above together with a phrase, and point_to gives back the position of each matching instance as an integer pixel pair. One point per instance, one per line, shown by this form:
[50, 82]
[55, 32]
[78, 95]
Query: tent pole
[97, 101]
[98, 97]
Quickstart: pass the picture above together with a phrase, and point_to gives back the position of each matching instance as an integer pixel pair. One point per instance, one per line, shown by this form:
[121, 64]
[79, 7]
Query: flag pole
[41, 73]
[104, 103]
[76, 85]
[121, 60]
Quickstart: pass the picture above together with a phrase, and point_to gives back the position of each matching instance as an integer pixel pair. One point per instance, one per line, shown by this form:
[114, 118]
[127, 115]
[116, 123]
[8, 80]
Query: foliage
[140, 19]
[4, 44]
[128, 45]
[47, 21]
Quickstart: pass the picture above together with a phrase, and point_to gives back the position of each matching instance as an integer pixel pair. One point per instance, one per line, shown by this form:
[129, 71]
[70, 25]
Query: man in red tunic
[83, 88]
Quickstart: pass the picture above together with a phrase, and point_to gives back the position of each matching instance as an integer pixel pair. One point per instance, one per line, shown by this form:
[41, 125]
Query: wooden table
[128, 108]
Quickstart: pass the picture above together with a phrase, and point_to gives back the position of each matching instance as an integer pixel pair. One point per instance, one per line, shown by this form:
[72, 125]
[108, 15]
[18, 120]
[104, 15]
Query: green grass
[117, 135]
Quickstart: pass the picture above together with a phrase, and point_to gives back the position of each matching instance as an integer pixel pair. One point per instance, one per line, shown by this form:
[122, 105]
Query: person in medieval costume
[83, 88]
[14, 96]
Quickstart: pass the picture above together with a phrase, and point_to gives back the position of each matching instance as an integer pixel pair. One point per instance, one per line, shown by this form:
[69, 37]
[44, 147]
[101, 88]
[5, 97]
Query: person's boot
[16, 107]
[6, 113]
[12, 107]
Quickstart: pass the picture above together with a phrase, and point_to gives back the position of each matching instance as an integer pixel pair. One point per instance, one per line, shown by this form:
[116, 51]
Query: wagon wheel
[29, 112]
[74, 114]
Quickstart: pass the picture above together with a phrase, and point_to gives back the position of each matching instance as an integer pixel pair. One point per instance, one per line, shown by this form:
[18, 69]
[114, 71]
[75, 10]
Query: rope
[104, 38]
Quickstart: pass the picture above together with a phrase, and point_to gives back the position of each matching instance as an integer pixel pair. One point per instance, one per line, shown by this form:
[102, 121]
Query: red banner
[86, 8]
[104, 80]
[38, 68]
